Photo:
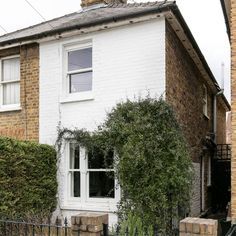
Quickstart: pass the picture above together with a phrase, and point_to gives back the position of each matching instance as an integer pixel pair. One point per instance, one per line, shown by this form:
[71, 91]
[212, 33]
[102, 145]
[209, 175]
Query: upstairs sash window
[10, 81]
[79, 70]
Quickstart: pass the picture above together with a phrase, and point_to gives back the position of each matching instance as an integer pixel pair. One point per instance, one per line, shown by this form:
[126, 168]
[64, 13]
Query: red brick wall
[23, 124]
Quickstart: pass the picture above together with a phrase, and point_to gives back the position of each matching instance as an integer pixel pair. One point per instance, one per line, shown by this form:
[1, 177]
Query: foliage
[134, 225]
[28, 183]
[154, 168]
[153, 164]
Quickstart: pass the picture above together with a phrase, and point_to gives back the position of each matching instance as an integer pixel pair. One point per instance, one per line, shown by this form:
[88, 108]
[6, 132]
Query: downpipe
[215, 114]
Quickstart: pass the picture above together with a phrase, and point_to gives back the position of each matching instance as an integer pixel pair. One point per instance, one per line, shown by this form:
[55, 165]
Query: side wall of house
[184, 91]
[23, 123]
[128, 62]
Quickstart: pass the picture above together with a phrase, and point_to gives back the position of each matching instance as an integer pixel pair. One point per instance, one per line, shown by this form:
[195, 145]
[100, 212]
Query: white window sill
[10, 108]
[77, 97]
[90, 207]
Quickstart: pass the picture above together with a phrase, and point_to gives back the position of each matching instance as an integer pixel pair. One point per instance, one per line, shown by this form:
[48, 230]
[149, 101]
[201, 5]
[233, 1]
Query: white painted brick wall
[128, 61]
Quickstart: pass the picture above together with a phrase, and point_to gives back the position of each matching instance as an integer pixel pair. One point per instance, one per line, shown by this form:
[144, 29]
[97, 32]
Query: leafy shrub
[153, 166]
[28, 183]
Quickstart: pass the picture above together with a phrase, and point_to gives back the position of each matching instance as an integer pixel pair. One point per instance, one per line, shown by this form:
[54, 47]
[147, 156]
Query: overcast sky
[204, 18]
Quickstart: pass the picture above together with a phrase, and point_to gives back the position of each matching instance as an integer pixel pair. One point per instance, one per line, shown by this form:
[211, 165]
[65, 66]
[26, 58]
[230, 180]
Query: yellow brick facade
[24, 123]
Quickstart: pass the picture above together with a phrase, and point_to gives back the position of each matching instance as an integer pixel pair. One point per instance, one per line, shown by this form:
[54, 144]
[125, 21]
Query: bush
[153, 166]
[28, 184]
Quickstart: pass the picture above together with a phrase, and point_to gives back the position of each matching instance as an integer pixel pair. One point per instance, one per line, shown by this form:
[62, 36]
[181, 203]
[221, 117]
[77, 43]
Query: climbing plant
[153, 165]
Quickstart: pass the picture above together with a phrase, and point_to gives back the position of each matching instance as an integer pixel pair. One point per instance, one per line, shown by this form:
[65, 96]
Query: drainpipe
[215, 113]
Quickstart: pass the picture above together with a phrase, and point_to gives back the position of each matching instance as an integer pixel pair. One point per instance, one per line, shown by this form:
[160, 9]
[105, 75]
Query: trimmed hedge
[28, 182]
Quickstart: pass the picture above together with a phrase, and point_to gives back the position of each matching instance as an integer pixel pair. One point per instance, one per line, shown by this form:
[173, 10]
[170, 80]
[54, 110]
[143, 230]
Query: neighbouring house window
[205, 94]
[10, 81]
[88, 176]
[79, 69]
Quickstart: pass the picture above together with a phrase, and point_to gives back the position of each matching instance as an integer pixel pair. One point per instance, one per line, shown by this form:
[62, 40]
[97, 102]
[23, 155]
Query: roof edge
[226, 17]
[191, 38]
[52, 32]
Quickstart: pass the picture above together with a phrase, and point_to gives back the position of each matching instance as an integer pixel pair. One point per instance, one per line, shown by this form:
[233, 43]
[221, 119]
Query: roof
[85, 18]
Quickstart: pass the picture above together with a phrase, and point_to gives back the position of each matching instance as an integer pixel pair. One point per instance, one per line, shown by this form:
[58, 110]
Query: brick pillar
[88, 224]
[198, 227]
[233, 107]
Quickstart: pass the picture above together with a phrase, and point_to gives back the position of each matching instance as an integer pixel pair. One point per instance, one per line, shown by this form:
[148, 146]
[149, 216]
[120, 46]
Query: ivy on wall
[28, 184]
[153, 165]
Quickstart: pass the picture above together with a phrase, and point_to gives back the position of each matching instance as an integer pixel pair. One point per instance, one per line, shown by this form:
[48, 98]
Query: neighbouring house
[229, 10]
[71, 70]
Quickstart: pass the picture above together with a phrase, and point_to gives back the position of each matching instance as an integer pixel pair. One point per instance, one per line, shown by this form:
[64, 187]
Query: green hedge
[28, 184]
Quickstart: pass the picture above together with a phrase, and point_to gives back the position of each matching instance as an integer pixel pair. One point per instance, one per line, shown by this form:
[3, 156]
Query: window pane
[75, 184]
[11, 69]
[81, 82]
[101, 184]
[11, 93]
[80, 59]
[74, 156]
[96, 159]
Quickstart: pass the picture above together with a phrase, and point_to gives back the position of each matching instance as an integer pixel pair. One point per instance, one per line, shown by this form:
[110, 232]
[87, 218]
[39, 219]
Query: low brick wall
[88, 224]
[198, 227]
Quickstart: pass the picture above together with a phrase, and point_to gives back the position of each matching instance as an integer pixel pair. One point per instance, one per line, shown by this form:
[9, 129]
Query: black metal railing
[23, 228]
[232, 231]
[223, 152]
[154, 231]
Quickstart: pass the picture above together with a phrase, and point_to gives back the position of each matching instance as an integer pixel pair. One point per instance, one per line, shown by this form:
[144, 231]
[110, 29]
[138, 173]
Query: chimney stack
[88, 3]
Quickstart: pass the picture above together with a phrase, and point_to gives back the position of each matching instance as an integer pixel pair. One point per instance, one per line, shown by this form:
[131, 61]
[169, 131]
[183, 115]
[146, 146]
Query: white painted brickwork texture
[128, 61]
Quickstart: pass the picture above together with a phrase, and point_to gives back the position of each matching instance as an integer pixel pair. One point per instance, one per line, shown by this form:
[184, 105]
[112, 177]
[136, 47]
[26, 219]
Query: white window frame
[205, 98]
[77, 96]
[84, 202]
[8, 107]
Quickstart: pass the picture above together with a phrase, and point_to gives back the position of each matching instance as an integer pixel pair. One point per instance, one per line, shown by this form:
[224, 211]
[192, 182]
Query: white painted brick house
[91, 60]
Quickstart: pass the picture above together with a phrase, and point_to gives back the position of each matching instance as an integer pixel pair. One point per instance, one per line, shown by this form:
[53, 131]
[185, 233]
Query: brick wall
[184, 91]
[198, 227]
[233, 107]
[23, 124]
[137, 69]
